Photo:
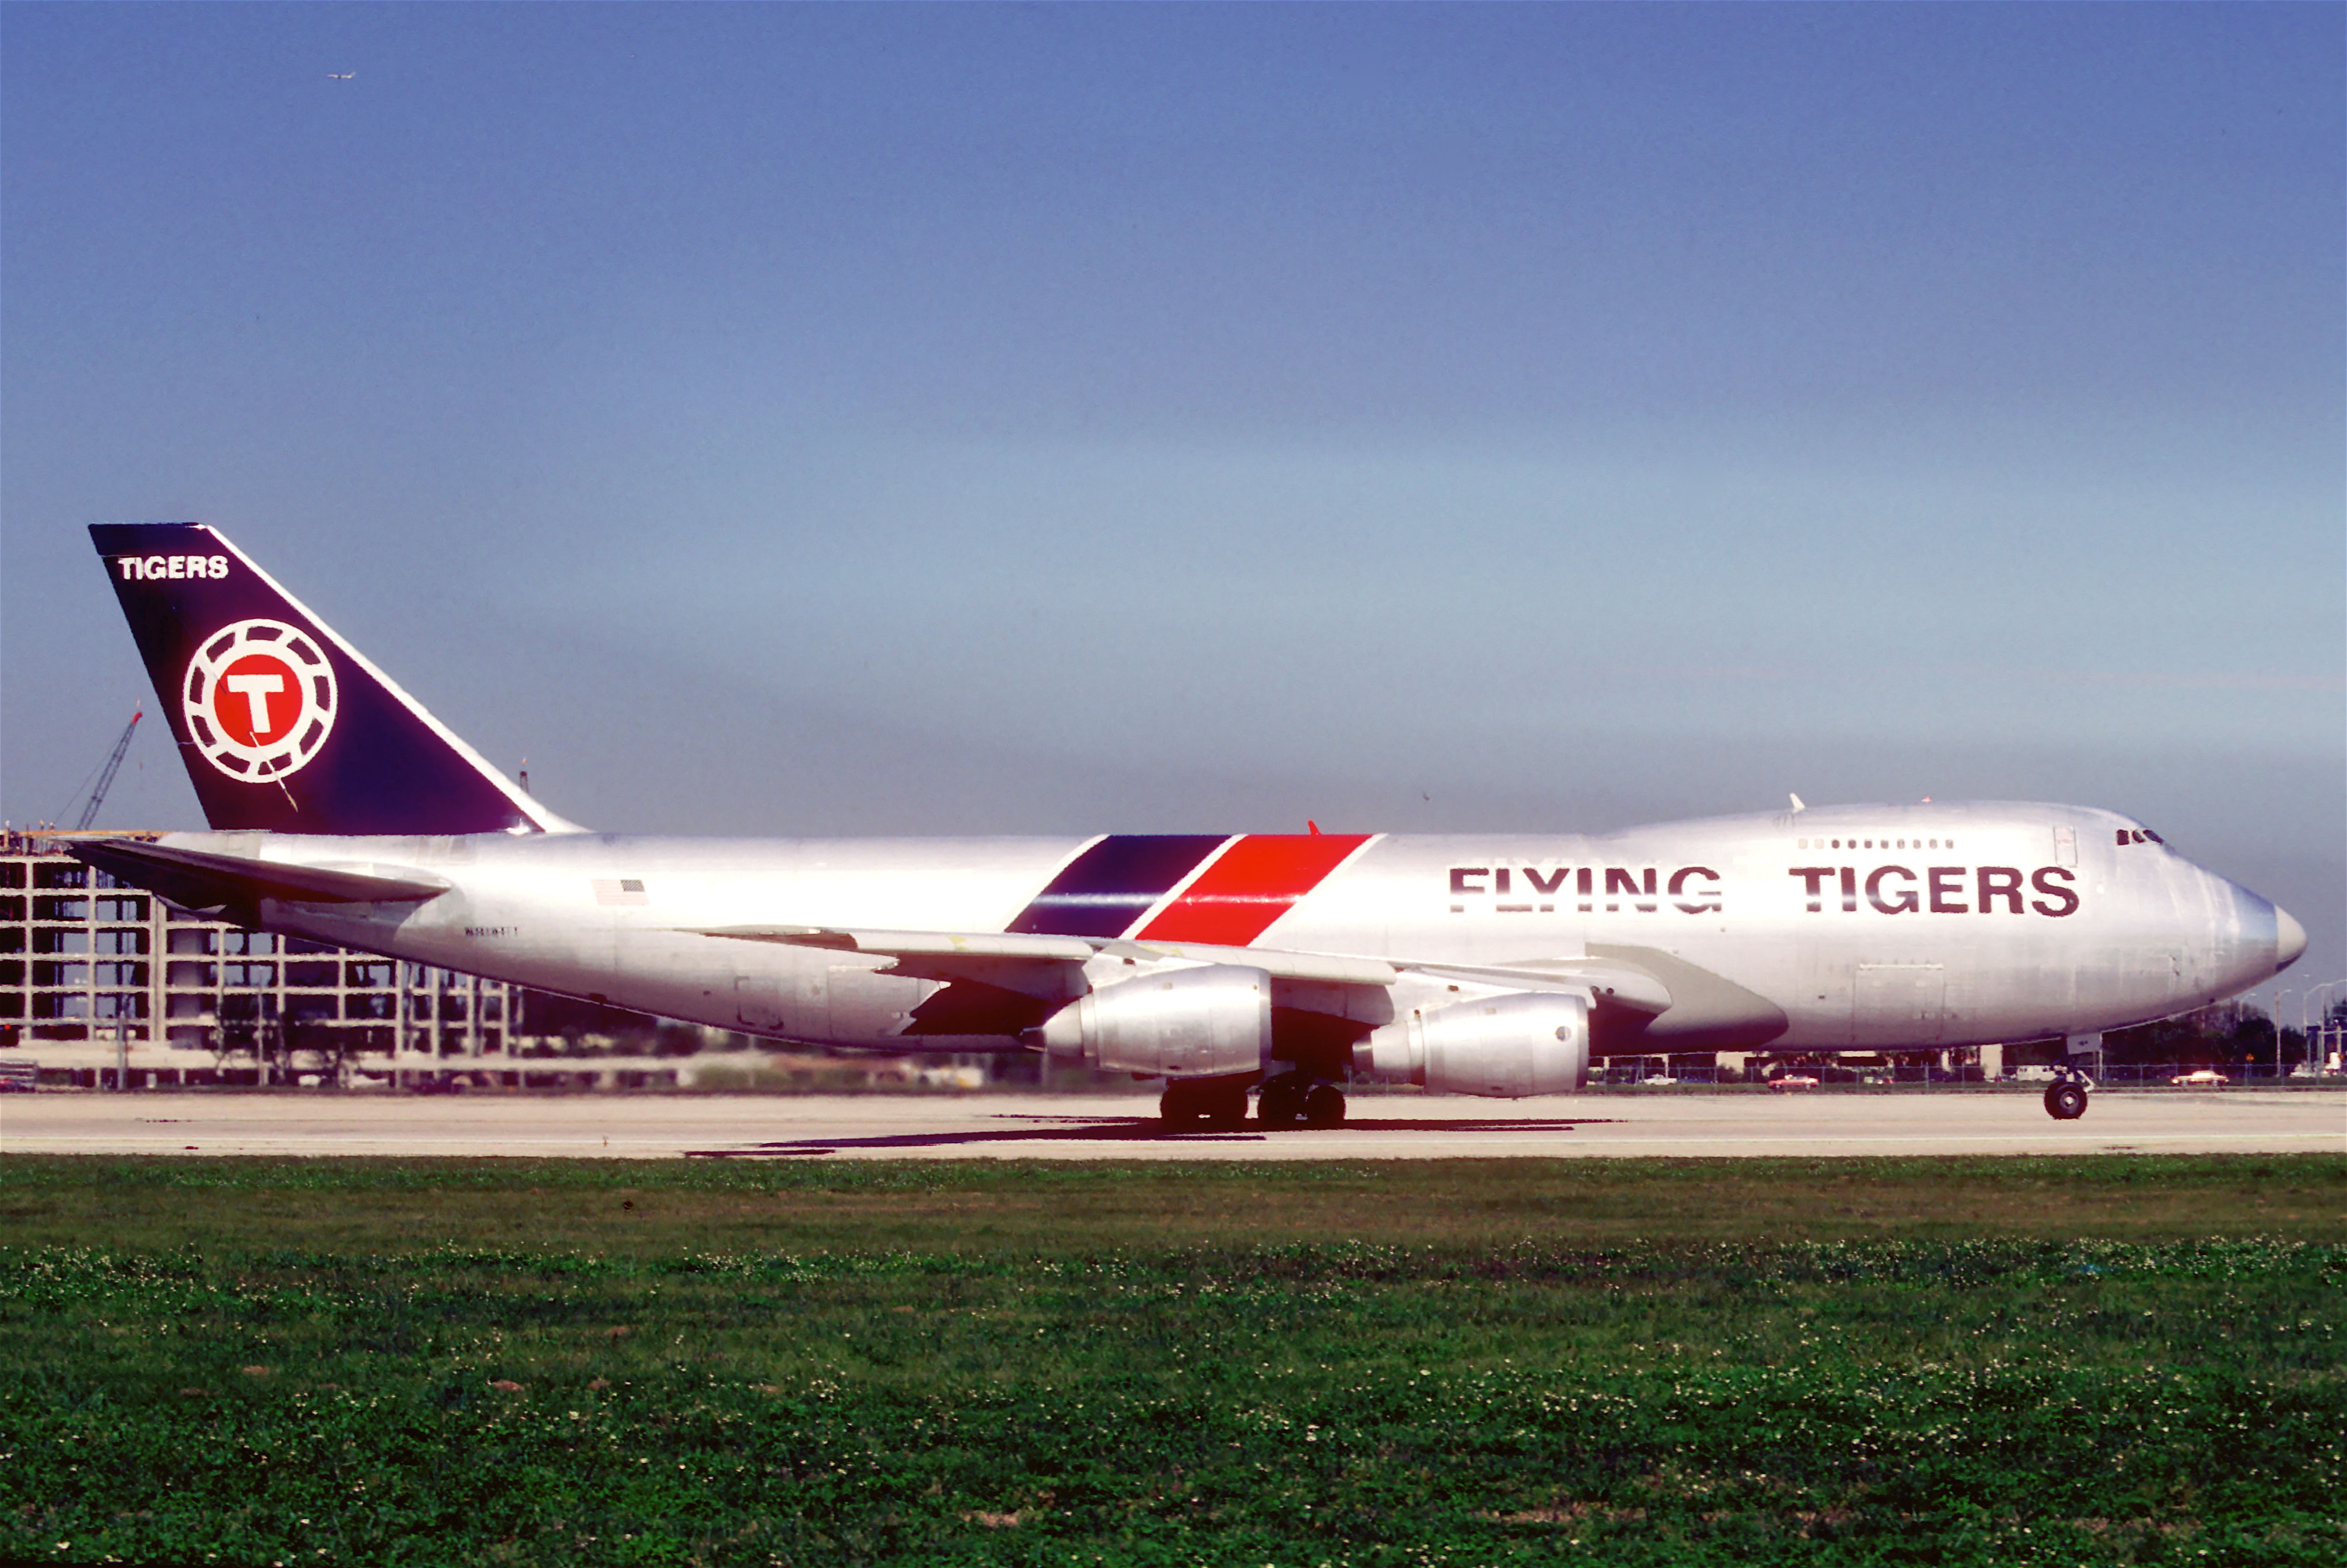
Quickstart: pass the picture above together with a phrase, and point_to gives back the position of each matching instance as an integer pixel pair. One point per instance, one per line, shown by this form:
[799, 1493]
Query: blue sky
[906, 419]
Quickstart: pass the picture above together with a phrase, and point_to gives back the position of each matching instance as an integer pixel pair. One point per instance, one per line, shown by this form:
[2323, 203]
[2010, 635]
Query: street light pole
[2328, 1029]
[2305, 1037]
[2280, 992]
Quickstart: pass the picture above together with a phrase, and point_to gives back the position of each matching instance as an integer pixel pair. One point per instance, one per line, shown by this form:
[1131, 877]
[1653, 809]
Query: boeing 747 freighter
[1225, 964]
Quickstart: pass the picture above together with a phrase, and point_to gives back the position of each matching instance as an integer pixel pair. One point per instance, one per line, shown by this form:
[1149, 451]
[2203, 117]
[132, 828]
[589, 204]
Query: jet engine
[1507, 1046]
[1188, 1023]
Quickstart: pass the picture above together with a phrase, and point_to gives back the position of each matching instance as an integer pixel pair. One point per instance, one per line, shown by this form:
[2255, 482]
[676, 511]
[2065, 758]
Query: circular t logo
[258, 699]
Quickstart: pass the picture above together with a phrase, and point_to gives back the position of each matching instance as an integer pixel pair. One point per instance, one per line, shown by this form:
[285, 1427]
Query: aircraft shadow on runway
[1131, 1130]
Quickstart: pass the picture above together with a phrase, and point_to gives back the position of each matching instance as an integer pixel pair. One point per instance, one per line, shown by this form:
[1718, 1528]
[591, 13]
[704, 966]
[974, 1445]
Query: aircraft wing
[924, 946]
[1610, 979]
[911, 944]
[196, 880]
[1607, 979]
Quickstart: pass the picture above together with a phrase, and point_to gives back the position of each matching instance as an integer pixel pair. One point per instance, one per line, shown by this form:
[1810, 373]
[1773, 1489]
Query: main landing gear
[2065, 1099]
[1285, 1102]
[1215, 1104]
[1220, 1104]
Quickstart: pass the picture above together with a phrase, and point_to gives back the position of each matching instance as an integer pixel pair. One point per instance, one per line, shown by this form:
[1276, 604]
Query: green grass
[1911, 1361]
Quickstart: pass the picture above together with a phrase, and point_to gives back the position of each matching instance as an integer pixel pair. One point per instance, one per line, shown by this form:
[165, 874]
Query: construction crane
[113, 767]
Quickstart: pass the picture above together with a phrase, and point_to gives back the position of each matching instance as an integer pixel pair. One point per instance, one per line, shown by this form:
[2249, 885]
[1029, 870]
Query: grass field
[1924, 1361]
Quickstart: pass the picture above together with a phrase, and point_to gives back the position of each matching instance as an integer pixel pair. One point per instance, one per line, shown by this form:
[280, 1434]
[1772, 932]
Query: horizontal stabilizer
[195, 880]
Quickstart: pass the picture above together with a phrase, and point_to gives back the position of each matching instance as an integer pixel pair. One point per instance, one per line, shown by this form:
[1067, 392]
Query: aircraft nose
[2290, 939]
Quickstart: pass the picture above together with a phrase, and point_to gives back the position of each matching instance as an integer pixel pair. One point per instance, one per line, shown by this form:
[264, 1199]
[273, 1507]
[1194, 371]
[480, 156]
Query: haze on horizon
[878, 420]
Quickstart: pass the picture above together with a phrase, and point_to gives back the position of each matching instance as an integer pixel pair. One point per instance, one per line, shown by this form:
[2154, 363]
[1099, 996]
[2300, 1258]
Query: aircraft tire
[1226, 1107]
[1181, 1107]
[2065, 1101]
[1190, 1105]
[1281, 1103]
[1324, 1106]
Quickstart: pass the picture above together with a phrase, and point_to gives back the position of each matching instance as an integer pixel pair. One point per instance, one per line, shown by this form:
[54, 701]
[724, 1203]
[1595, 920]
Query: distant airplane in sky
[1496, 963]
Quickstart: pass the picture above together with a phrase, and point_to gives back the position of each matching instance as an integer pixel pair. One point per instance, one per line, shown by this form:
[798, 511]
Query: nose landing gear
[2065, 1099]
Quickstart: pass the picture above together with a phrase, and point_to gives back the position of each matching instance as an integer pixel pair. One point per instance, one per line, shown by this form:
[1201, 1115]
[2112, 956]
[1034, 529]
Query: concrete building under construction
[83, 958]
[105, 985]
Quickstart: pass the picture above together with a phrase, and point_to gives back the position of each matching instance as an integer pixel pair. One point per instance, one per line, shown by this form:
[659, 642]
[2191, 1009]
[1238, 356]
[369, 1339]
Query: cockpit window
[2138, 836]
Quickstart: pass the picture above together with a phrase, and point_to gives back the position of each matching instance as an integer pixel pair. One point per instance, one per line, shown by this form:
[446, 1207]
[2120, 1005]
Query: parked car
[1792, 1080]
[1658, 1082]
[2205, 1078]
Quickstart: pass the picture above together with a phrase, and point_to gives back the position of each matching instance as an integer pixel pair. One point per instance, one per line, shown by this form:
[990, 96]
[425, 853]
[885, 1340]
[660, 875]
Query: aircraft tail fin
[282, 725]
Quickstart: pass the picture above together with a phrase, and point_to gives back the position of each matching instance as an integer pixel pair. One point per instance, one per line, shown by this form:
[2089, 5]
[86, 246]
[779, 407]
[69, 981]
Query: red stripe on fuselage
[1249, 886]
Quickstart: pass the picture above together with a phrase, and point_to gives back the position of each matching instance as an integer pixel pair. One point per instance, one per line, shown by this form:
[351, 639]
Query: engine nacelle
[1525, 1042]
[1188, 1023]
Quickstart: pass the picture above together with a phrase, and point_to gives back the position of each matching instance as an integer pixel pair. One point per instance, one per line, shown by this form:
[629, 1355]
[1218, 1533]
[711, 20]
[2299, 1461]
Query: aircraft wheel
[1324, 1106]
[1226, 1107]
[2065, 1101]
[1281, 1103]
[1181, 1107]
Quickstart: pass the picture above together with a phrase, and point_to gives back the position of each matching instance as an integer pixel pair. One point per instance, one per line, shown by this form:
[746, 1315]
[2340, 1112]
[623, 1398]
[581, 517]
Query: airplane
[1223, 964]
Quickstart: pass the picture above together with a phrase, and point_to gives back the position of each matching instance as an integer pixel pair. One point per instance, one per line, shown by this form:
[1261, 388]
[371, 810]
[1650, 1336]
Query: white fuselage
[1900, 926]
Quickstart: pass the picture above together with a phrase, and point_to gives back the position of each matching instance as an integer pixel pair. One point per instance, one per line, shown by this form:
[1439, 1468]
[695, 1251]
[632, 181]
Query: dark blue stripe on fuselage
[1109, 885]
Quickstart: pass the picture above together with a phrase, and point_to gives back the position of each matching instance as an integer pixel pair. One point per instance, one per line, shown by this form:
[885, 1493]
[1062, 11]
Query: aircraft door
[791, 998]
[1821, 1002]
[2180, 972]
[758, 1002]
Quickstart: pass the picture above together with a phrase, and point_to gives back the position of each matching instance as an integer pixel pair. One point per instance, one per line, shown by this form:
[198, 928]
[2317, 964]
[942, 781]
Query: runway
[998, 1126]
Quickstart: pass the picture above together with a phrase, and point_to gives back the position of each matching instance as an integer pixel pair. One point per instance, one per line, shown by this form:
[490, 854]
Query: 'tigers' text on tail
[284, 726]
